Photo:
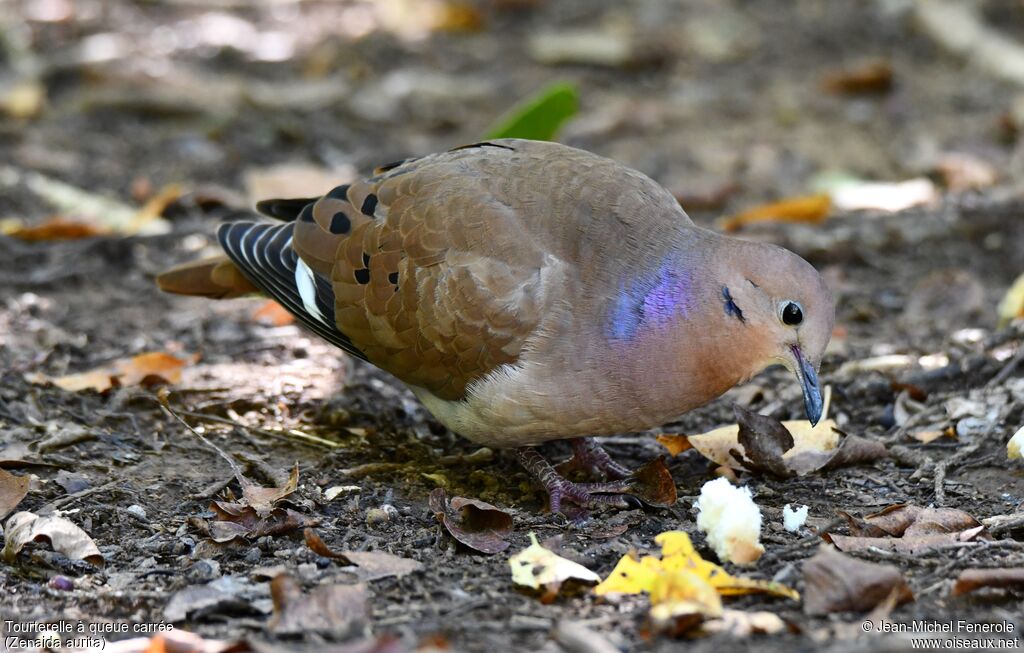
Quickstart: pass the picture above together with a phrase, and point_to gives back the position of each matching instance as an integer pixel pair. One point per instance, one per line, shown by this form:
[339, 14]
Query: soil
[140, 96]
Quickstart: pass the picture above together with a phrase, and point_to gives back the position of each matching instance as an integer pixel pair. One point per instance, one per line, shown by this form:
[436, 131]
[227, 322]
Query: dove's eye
[792, 314]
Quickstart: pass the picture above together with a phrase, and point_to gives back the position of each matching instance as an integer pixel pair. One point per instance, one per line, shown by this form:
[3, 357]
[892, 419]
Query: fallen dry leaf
[633, 576]
[372, 565]
[148, 369]
[1011, 306]
[542, 569]
[910, 544]
[834, 582]
[972, 579]
[292, 180]
[336, 610]
[676, 444]
[869, 77]
[907, 519]
[272, 313]
[55, 228]
[257, 514]
[12, 490]
[479, 525]
[680, 600]
[64, 537]
[718, 445]
[784, 449]
[739, 624]
[811, 209]
[652, 483]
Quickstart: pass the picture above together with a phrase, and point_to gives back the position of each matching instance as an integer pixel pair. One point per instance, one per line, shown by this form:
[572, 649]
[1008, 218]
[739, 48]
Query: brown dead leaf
[834, 582]
[237, 520]
[264, 499]
[812, 209]
[869, 77]
[148, 369]
[765, 440]
[972, 579]
[64, 537]
[852, 450]
[676, 444]
[12, 490]
[56, 228]
[907, 519]
[477, 524]
[910, 544]
[257, 513]
[652, 484]
[336, 610]
[787, 449]
[372, 564]
[272, 313]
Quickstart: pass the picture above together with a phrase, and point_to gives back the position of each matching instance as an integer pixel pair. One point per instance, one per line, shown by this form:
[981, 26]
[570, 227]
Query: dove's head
[785, 310]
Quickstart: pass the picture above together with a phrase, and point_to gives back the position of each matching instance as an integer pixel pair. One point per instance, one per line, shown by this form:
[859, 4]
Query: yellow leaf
[681, 594]
[632, 576]
[1012, 304]
[1014, 446]
[676, 444]
[808, 208]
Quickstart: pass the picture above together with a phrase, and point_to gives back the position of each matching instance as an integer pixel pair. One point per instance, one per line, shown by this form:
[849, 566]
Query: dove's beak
[808, 378]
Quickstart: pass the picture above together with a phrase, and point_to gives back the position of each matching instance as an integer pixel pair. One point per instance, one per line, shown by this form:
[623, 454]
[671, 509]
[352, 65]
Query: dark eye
[792, 314]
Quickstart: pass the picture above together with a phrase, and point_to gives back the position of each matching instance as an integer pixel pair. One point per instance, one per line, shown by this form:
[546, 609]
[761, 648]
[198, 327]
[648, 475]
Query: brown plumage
[529, 291]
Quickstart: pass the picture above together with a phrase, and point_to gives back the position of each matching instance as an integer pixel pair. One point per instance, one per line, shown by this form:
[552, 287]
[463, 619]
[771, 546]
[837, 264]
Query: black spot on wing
[390, 166]
[731, 308]
[482, 144]
[340, 223]
[284, 209]
[393, 278]
[339, 192]
[369, 205]
[363, 276]
[264, 254]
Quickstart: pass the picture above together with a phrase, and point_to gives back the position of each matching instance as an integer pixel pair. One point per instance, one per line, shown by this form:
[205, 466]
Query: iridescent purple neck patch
[652, 302]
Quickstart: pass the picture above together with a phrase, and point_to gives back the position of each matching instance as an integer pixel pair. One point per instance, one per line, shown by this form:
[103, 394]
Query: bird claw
[590, 458]
[651, 484]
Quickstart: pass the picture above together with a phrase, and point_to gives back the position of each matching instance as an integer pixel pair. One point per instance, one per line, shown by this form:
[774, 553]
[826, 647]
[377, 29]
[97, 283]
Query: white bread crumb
[793, 518]
[731, 520]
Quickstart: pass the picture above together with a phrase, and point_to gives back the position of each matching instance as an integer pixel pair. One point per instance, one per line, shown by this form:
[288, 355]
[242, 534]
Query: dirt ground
[722, 102]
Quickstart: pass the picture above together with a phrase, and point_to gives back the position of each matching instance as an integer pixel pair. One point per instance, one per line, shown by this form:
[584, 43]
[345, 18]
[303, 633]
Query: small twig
[236, 469]
[57, 504]
[1008, 369]
[290, 435]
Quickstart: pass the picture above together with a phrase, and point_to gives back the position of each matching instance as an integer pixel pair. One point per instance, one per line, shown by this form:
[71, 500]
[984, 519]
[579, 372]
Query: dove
[529, 291]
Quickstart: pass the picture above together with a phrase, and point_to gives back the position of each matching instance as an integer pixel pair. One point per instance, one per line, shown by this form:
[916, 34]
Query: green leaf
[540, 116]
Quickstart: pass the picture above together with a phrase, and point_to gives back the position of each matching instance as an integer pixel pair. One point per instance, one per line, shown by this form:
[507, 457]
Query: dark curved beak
[808, 378]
